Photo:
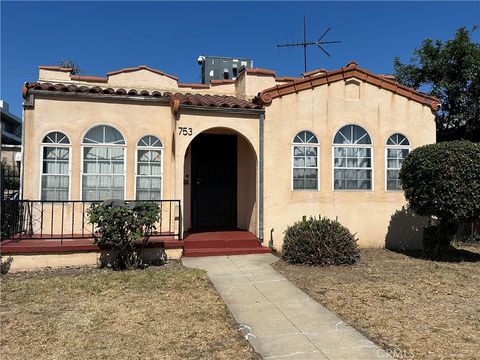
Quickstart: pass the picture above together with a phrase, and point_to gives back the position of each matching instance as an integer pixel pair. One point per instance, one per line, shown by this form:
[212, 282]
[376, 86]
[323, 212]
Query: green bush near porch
[319, 242]
[124, 229]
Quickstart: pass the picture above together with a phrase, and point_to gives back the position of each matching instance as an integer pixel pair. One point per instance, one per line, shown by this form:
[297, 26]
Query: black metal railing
[38, 219]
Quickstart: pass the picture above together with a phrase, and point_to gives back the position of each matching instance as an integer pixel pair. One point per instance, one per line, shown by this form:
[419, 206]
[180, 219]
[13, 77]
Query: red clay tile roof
[142, 67]
[350, 71]
[285, 78]
[314, 71]
[183, 99]
[213, 101]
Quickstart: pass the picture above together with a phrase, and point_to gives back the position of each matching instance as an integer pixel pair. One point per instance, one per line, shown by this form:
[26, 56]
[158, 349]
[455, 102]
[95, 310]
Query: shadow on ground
[404, 236]
[405, 231]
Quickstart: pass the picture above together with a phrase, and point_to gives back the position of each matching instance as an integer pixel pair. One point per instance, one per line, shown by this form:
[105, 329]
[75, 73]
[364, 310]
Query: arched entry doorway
[220, 187]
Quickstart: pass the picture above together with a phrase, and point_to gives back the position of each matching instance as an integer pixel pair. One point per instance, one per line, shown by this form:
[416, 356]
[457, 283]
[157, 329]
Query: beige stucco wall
[75, 117]
[324, 110]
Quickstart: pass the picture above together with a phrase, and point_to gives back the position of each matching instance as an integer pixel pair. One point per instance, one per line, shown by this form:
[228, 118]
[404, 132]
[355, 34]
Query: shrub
[5, 265]
[442, 181]
[319, 242]
[124, 229]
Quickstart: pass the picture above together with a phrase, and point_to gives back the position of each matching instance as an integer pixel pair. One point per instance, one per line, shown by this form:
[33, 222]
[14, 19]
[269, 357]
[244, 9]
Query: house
[257, 153]
[11, 135]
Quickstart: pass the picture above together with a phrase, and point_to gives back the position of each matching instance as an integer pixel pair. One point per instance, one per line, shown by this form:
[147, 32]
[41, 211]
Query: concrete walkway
[277, 318]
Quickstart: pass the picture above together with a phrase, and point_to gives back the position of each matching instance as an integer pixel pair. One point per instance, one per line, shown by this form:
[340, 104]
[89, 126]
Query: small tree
[450, 71]
[70, 64]
[442, 181]
[124, 229]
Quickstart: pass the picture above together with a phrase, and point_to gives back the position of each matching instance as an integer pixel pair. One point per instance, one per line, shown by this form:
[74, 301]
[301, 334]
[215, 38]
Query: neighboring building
[257, 153]
[11, 135]
[221, 68]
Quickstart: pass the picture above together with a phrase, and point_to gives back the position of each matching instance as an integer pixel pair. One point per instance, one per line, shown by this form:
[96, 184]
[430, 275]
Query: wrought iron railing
[37, 219]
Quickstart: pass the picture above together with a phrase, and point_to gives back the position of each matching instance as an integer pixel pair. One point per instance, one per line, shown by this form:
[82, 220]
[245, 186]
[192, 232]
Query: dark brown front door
[214, 182]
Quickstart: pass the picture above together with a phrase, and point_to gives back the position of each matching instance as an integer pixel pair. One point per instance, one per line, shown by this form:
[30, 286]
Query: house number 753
[185, 131]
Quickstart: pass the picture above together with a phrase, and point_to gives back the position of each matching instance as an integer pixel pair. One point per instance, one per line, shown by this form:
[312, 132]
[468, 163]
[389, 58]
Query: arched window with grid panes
[396, 150]
[305, 169]
[103, 170]
[352, 159]
[149, 173]
[55, 177]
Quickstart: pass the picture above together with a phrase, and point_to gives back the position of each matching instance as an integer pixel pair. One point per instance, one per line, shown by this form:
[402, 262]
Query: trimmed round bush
[443, 180]
[319, 242]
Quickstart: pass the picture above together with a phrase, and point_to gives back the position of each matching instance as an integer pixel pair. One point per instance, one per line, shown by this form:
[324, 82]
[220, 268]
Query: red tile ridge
[59, 68]
[259, 71]
[352, 70]
[89, 78]
[194, 86]
[314, 72]
[221, 82]
[141, 67]
[286, 78]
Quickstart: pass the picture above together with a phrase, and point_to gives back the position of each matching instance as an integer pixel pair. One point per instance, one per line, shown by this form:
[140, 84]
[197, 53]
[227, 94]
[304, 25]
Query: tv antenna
[306, 43]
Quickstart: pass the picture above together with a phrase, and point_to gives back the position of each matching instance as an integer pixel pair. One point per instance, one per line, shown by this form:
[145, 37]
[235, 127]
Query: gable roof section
[350, 71]
[141, 67]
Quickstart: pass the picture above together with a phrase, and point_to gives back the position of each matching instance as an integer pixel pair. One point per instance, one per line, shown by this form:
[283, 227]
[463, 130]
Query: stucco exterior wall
[75, 117]
[324, 110]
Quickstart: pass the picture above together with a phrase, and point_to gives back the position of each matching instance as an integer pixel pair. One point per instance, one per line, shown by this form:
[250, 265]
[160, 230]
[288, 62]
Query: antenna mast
[306, 43]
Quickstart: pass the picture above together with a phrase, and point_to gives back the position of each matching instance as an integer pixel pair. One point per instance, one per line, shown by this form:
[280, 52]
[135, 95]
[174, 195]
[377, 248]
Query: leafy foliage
[124, 229]
[70, 64]
[319, 242]
[451, 70]
[442, 181]
[5, 265]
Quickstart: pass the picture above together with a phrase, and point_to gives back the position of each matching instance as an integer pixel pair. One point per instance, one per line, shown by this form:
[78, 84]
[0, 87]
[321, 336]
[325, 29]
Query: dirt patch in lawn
[414, 307]
[167, 312]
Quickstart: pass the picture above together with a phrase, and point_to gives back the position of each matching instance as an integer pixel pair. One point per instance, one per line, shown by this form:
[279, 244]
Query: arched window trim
[149, 147]
[402, 146]
[114, 145]
[354, 145]
[103, 144]
[57, 144]
[308, 143]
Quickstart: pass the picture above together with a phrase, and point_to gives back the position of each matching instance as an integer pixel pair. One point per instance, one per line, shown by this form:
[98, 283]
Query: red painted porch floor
[221, 243]
[212, 243]
[69, 245]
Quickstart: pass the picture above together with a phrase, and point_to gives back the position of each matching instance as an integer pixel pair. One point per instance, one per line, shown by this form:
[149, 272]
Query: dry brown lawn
[416, 308]
[167, 312]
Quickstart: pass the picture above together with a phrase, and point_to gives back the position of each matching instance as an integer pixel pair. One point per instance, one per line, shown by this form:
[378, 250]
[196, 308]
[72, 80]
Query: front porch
[57, 233]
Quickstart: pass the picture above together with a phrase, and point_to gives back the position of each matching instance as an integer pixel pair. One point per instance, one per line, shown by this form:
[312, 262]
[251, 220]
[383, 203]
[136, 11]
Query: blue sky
[106, 36]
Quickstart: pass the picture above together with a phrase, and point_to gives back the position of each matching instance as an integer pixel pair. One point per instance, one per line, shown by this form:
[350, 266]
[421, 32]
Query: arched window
[55, 167]
[149, 169]
[397, 149]
[305, 161]
[103, 172]
[352, 159]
